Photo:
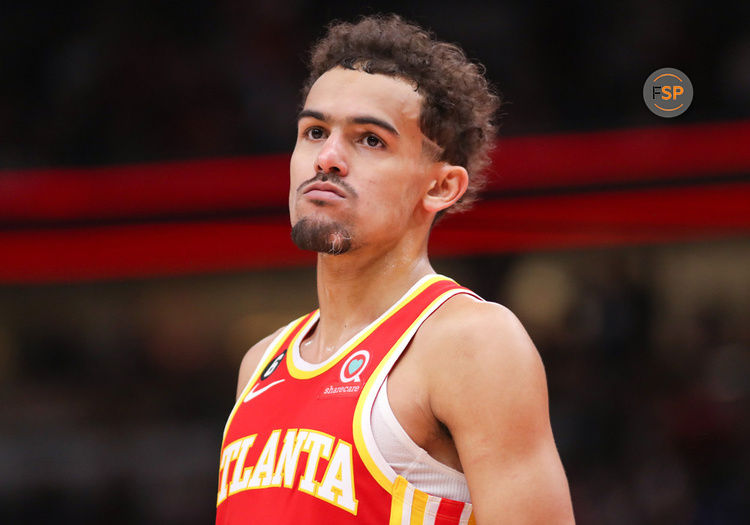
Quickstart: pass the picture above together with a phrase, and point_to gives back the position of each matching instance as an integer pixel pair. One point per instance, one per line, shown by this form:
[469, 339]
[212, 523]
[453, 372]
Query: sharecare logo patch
[350, 376]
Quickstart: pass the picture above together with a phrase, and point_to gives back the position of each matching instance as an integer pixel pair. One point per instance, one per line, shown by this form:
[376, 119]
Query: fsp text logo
[668, 92]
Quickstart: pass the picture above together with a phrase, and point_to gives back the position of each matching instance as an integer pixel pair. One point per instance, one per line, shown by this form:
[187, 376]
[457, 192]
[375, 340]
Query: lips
[324, 190]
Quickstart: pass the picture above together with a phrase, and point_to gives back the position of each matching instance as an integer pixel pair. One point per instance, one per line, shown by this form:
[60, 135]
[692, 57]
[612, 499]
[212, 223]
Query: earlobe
[446, 188]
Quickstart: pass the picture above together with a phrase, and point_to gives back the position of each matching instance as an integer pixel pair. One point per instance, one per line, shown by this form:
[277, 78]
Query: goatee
[323, 237]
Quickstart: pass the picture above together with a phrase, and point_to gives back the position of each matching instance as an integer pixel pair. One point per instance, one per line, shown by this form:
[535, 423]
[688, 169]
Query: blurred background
[115, 385]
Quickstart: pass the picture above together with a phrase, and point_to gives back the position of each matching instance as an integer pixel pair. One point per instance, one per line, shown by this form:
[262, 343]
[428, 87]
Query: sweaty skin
[471, 388]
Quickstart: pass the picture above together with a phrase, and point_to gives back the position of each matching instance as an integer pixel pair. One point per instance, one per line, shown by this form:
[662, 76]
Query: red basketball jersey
[298, 446]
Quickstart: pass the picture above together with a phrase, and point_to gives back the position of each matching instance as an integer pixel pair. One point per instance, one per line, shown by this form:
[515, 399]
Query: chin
[322, 236]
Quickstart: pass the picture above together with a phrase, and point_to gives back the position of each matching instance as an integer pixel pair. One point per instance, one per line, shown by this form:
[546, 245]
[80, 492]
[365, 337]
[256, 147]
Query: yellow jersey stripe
[418, 506]
[397, 500]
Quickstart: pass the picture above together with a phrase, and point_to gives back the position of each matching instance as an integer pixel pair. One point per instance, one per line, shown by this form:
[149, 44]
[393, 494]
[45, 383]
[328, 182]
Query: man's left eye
[373, 141]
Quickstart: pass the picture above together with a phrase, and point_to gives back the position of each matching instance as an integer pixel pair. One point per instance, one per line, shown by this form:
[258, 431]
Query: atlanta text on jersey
[275, 468]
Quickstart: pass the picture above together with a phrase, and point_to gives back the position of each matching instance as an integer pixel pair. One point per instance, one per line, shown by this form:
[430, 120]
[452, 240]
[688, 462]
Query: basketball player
[404, 398]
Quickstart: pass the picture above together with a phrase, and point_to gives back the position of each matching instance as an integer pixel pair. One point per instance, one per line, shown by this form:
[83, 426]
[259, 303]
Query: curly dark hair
[459, 104]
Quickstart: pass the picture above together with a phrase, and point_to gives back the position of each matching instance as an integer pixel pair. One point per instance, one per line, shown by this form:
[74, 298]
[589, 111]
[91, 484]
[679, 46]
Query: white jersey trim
[408, 459]
[379, 467]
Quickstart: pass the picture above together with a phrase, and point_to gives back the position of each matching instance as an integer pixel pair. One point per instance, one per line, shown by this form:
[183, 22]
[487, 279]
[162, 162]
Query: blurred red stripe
[144, 251]
[204, 186]
[629, 155]
[597, 219]
[144, 189]
[531, 223]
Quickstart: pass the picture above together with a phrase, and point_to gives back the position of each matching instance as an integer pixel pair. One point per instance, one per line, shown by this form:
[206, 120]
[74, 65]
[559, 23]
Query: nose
[332, 156]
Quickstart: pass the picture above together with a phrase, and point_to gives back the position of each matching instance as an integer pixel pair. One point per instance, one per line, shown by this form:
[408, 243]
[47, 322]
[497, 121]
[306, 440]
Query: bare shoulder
[486, 383]
[473, 333]
[252, 358]
[481, 365]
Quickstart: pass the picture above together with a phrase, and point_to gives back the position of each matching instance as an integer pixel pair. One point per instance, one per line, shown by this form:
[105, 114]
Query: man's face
[358, 171]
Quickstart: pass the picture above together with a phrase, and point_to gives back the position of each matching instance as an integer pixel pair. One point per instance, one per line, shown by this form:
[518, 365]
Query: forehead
[344, 92]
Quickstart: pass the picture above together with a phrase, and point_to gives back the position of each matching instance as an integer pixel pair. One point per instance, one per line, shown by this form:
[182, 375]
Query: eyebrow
[364, 119]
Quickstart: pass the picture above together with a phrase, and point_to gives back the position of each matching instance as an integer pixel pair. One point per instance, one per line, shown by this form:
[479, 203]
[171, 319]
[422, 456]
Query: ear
[448, 185]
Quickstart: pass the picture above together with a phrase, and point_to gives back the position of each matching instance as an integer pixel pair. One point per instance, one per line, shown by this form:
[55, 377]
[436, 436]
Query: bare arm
[252, 359]
[491, 393]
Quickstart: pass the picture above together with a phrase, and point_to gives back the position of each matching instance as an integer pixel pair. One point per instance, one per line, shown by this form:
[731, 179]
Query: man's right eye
[314, 133]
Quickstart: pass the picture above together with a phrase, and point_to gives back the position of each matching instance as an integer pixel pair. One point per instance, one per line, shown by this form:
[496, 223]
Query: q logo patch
[354, 366]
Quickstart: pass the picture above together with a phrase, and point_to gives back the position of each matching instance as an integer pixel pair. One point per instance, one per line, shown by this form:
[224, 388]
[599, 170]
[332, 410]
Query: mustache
[334, 179]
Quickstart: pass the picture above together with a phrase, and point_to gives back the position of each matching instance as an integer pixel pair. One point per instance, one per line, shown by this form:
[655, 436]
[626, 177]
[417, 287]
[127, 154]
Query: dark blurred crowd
[123, 81]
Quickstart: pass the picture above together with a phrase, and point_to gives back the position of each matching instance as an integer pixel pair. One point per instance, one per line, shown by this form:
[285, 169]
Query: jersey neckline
[299, 368]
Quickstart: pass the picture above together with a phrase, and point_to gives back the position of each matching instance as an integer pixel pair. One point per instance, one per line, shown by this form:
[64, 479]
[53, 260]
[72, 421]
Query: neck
[355, 288]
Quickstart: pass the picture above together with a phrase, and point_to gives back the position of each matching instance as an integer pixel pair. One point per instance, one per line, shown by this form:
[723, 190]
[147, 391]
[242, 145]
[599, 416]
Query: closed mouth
[325, 186]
